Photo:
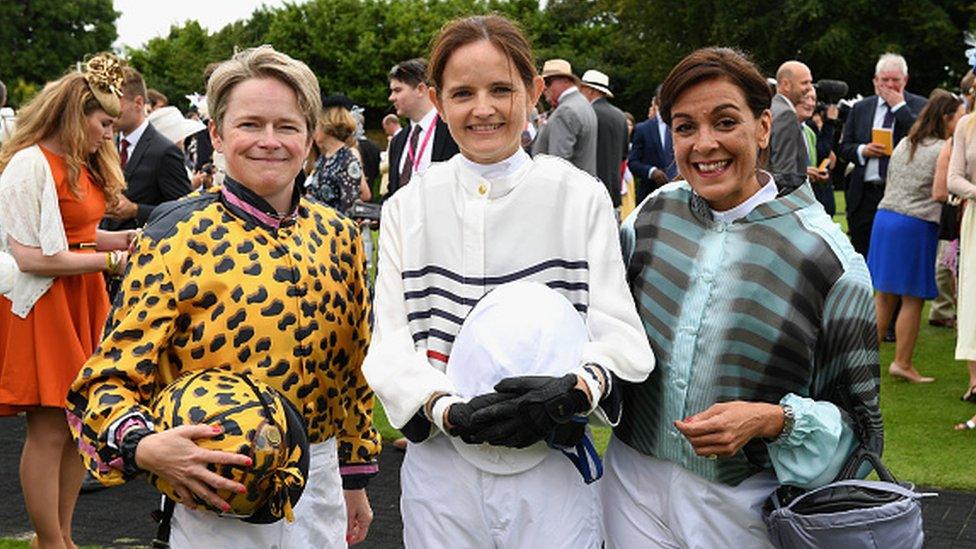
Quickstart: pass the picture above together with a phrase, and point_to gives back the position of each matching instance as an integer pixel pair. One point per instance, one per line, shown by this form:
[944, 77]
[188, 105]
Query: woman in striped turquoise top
[760, 315]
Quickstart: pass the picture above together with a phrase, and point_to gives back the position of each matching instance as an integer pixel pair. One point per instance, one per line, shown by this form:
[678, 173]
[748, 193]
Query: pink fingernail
[217, 428]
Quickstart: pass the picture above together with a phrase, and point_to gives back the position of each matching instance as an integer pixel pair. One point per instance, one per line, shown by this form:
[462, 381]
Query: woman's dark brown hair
[932, 122]
[717, 64]
[501, 32]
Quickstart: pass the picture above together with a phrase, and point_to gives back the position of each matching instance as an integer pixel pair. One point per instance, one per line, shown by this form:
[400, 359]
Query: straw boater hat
[104, 75]
[173, 125]
[558, 67]
[598, 81]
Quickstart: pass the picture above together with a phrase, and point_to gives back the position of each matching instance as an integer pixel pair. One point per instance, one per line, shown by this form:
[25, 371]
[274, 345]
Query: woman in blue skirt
[905, 235]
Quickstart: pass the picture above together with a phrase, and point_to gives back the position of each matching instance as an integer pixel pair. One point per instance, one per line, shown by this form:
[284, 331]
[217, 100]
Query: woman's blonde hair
[263, 62]
[338, 122]
[59, 111]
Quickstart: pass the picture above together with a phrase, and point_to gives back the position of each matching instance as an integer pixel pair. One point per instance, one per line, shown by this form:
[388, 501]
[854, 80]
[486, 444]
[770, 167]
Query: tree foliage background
[41, 39]
[351, 44]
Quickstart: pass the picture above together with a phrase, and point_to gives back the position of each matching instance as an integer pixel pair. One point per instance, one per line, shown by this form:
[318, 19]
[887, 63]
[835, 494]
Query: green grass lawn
[17, 544]
[920, 443]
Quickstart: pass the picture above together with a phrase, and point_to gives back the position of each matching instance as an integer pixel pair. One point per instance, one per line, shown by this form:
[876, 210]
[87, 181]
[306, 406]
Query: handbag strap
[868, 484]
[850, 469]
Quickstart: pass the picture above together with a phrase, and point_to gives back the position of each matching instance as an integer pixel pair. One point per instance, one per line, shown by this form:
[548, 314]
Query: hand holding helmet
[540, 405]
[231, 444]
[459, 416]
[174, 455]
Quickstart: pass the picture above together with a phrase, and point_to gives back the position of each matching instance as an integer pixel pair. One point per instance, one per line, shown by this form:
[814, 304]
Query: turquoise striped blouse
[773, 307]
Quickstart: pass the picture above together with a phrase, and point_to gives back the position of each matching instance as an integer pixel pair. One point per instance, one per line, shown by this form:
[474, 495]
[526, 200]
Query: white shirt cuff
[593, 385]
[860, 157]
[438, 410]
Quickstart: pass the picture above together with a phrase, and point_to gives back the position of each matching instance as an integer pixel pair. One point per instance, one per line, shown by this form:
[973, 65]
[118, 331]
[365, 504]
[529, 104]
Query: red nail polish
[217, 428]
[241, 490]
[248, 462]
[225, 507]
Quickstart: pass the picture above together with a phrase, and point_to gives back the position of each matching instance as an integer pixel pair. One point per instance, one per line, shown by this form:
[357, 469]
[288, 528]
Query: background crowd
[904, 162]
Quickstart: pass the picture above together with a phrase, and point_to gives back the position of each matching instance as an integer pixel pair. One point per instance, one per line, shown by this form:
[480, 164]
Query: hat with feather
[104, 74]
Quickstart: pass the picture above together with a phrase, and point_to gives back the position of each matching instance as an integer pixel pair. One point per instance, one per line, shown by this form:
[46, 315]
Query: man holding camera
[891, 109]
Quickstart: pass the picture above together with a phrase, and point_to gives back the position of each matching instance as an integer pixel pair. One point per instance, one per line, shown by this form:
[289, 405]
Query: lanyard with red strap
[415, 158]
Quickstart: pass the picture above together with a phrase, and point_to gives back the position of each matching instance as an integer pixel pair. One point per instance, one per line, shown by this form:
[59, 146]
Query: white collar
[566, 92]
[425, 122]
[491, 181]
[134, 137]
[498, 170]
[765, 194]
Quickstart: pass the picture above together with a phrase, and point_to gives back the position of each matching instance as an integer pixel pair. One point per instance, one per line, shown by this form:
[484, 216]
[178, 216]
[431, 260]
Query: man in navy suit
[891, 107]
[651, 157]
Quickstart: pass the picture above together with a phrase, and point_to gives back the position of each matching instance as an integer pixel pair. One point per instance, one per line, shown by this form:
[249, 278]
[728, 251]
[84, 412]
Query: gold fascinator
[104, 74]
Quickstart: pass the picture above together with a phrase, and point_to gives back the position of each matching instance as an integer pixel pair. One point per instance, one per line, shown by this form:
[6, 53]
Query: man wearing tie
[427, 139]
[152, 165]
[891, 108]
[651, 157]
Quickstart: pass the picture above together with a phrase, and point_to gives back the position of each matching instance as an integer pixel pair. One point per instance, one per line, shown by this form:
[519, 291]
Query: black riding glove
[544, 403]
[460, 415]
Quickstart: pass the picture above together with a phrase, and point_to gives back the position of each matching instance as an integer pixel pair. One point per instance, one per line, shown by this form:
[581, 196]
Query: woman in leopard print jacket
[253, 278]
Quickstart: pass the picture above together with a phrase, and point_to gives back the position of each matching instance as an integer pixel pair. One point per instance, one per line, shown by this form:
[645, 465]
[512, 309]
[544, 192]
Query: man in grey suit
[570, 131]
[152, 165]
[787, 149]
[611, 131]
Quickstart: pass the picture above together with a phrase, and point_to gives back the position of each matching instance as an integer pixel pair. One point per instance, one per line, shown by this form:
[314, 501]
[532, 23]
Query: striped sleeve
[395, 367]
[848, 373]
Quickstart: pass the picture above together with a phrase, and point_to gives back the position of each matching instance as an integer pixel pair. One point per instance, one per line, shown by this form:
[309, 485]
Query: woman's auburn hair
[71, 97]
[718, 64]
[500, 31]
[931, 122]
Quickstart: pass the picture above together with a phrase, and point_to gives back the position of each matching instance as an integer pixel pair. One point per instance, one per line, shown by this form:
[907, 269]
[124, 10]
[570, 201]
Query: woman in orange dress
[56, 175]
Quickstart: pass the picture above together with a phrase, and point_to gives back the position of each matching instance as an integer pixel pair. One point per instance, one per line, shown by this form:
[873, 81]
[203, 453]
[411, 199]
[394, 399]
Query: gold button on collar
[482, 189]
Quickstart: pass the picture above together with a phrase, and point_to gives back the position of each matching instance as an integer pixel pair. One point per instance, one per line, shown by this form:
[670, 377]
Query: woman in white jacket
[489, 216]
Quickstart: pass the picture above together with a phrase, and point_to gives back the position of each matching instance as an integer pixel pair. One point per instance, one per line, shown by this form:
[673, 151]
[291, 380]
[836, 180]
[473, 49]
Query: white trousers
[320, 516]
[447, 502]
[648, 502]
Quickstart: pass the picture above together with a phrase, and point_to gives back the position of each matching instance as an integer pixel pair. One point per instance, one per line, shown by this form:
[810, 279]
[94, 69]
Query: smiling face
[484, 102]
[716, 139]
[805, 108]
[264, 138]
[99, 127]
[797, 83]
